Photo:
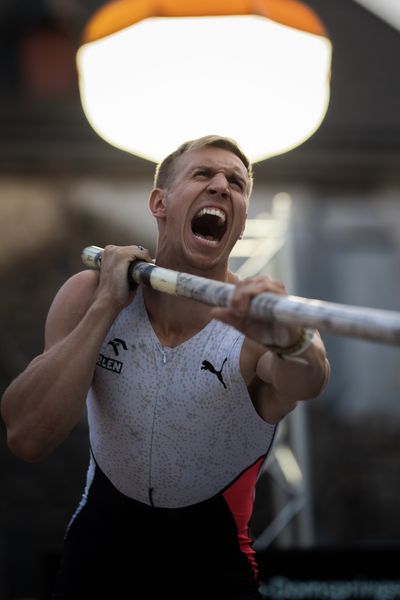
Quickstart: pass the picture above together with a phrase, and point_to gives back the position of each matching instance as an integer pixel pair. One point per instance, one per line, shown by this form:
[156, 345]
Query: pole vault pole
[354, 321]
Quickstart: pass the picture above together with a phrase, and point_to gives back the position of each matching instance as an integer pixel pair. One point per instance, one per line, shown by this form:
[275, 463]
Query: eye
[202, 173]
[237, 182]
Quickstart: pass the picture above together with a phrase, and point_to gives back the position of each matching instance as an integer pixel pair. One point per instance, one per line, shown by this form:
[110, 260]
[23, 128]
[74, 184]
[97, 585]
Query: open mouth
[209, 224]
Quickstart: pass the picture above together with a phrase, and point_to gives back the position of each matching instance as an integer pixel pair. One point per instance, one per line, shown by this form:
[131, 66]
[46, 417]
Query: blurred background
[325, 218]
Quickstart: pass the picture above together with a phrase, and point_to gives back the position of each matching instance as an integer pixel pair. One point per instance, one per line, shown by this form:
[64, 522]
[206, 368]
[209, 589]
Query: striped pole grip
[340, 319]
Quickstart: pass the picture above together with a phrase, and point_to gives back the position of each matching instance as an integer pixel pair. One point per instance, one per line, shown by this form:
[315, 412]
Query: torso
[172, 426]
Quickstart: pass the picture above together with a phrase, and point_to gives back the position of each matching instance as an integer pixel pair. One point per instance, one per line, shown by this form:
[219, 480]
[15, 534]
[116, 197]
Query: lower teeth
[209, 238]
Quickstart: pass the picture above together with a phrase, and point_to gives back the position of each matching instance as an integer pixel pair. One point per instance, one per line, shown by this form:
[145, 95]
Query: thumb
[222, 314]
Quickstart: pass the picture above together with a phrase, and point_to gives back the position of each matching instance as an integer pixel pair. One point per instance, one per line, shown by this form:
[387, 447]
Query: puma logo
[207, 366]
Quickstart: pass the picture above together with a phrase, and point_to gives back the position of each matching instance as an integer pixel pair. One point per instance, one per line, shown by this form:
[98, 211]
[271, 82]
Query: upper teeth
[212, 211]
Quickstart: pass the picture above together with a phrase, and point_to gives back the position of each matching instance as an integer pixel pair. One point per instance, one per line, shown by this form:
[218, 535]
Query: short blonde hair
[165, 169]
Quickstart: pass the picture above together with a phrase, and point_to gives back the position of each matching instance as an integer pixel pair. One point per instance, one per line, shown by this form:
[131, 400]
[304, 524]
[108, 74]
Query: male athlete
[183, 400]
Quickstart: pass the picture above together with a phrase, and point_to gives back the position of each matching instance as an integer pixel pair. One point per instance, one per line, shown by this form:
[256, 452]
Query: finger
[126, 253]
[270, 284]
[246, 290]
[242, 295]
[142, 253]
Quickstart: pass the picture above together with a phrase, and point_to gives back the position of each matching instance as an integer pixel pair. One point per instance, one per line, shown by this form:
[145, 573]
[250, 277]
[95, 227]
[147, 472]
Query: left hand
[264, 332]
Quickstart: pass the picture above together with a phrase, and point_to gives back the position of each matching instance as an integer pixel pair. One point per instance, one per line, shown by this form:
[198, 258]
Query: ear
[157, 202]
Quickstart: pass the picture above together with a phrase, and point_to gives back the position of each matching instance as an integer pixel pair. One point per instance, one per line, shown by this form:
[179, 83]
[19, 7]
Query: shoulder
[69, 305]
[83, 283]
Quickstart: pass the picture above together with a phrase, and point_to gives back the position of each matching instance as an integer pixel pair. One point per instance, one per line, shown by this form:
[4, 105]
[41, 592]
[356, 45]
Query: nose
[219, 185]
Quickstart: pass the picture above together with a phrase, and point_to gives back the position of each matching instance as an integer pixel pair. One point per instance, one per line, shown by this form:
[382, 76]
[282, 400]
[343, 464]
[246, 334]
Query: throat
[175, 320]
[172, 339]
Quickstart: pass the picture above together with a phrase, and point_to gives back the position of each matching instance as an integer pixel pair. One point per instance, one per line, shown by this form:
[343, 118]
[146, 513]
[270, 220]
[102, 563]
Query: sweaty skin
[43, 404]
[182, 400]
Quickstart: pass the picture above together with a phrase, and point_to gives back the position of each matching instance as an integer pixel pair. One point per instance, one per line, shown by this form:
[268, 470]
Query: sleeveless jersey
[172, 427]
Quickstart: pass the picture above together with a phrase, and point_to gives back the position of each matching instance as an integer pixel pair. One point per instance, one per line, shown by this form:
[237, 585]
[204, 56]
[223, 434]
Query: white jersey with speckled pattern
[172, 427]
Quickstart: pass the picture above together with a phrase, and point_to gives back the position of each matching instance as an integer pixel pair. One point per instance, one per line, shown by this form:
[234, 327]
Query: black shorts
[121, 549]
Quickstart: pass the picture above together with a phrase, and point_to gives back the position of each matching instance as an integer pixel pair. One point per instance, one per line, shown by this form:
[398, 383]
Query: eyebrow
[231, 171]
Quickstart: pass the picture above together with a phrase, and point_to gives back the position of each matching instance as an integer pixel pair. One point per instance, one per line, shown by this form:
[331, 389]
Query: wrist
[293, 351]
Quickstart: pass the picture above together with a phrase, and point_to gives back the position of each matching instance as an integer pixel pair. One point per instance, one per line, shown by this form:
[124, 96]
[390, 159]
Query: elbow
[326, 372]
[321, 381]
[26, 448]
[27, 438]
[19, 439]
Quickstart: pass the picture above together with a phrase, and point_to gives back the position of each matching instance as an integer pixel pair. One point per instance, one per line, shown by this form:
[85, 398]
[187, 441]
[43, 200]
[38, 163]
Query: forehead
[209, 156]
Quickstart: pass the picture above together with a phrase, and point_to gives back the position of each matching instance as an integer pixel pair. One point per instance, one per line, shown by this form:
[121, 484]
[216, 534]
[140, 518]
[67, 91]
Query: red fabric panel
[240, 498]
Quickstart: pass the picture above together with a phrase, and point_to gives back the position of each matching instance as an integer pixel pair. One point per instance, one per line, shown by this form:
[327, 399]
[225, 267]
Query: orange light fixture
[153, 74]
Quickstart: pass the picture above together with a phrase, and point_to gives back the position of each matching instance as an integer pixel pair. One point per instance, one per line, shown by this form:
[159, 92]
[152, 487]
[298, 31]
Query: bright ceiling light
[387, 10]
[150, 79]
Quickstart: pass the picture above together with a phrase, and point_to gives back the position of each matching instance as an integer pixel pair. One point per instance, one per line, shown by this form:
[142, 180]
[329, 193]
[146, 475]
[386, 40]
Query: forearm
[300, 379]
[43, 404]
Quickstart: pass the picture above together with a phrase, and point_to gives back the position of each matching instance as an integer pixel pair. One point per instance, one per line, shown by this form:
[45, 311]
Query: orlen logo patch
[112, 364]
[117, 343]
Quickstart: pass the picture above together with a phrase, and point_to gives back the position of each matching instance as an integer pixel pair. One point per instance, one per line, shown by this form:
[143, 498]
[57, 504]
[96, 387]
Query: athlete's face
[203, 211]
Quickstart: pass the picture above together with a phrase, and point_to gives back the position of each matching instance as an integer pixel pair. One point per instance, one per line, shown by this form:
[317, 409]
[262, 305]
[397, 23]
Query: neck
[174, 319]
[218, 272]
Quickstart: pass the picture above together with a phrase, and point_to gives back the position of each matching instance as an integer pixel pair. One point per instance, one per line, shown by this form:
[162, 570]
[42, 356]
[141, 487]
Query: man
[182, 405]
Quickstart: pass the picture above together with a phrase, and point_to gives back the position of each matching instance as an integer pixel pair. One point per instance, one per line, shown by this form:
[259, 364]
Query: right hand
[113, 280]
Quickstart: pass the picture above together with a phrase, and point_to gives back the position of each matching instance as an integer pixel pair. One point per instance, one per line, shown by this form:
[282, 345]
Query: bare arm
[275, 385]
[44, 403]
[278, 385]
